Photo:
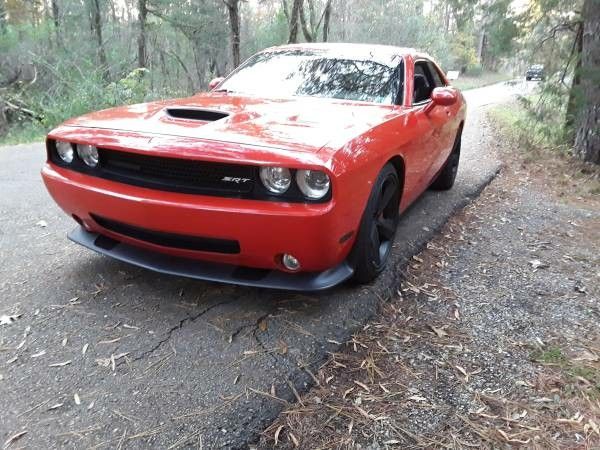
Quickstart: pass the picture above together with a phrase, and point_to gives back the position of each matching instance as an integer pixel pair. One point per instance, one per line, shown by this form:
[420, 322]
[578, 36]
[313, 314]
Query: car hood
[302, 124]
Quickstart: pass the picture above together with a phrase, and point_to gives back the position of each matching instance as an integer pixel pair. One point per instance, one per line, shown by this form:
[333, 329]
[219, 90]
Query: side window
[423, 82]
[437, 79]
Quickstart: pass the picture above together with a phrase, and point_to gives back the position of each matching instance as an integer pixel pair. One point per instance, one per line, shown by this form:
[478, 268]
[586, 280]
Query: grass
[553, 355]
[30, 132]
[465, 82]
[542, 149]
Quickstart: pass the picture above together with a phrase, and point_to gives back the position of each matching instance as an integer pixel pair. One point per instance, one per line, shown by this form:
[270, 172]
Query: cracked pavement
[105, 355]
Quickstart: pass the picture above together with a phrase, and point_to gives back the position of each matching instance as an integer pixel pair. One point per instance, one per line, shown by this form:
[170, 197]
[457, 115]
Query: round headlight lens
[65, 151]
[276, 179]
[313, 183]
[89, 154]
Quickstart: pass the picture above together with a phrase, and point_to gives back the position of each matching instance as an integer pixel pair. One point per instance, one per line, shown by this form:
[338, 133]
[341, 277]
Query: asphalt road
[108, 355]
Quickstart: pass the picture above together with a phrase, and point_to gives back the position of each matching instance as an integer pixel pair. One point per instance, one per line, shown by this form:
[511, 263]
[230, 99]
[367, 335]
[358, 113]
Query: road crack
[180, 325]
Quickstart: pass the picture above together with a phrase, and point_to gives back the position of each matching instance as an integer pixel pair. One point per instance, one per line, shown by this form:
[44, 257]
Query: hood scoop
[201, 115]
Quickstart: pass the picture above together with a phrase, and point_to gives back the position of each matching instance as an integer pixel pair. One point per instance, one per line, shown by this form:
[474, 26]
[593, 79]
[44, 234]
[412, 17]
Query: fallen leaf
[56, 406]
[463, 371]
[13, 438]
[537, 264]
[593, 426]
[262, 325]
[417, 398]
[60, 364]
[42, 224]
[586, 356]
[346, 392]
[362, 385]
[7, 320]
[512, 440]
[439, 331]
[84, 349]
[276, 437]
[76, 398]
[294, 439]
[35, 355]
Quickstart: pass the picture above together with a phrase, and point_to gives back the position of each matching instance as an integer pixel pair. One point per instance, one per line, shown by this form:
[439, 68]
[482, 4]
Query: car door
[429, 124]
[444, 118]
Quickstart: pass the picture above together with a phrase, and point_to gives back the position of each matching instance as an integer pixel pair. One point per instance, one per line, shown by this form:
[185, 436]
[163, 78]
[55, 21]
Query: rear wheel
[378, 227]
[445, 179]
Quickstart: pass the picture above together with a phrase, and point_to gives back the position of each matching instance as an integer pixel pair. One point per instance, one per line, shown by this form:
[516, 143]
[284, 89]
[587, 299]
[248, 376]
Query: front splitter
[208, 271]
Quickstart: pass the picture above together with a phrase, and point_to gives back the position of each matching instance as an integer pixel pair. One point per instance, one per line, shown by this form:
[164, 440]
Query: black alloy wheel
[378, 226]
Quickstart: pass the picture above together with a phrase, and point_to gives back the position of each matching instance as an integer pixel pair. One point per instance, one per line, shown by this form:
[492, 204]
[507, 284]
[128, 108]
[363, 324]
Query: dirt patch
[492, 340]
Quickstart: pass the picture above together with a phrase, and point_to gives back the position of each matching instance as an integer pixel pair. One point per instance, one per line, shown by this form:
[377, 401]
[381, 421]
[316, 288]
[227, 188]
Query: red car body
[348, 140]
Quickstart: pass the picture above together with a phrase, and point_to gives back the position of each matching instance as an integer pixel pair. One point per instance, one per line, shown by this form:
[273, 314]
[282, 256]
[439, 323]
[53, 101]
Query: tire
[445, 179]
[378, 227]
[528, 78]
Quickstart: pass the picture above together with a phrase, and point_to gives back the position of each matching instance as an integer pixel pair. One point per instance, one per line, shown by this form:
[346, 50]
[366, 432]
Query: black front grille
[173, 174]
[178, 241]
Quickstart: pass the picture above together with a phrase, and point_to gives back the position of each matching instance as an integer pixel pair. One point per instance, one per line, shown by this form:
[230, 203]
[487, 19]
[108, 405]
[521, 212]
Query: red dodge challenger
[290, 173]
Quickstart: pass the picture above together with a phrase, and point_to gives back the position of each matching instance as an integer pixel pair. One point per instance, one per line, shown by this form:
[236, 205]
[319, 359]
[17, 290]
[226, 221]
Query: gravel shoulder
[493, 339]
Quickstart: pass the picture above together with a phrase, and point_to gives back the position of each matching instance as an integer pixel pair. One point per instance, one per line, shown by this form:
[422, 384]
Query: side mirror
[442, 96]
[215, 82]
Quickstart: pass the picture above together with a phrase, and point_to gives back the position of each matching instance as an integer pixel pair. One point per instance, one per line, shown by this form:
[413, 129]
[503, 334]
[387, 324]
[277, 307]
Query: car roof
[385, 54]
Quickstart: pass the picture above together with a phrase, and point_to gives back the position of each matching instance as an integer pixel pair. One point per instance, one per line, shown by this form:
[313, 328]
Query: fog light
[290, 262]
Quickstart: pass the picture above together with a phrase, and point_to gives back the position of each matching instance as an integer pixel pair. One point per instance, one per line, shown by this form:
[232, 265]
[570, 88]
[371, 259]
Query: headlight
[313, 183]
[276, 179]
[89, 154]
[65, 151]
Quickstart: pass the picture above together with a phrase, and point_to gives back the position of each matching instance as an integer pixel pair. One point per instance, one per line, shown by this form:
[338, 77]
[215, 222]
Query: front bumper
[225, 273]
[318, 235]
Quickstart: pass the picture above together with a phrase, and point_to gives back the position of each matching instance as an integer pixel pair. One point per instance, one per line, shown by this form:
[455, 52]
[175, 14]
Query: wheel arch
[398, 162]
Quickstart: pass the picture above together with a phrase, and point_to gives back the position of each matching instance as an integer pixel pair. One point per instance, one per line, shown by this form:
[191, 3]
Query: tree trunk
[2, 17]
[96, 25]
[294, 14]
[306, 31]
[587, 140]
[143, 13]
[447, 17]
[574, 92]
[326, 19]
[480, 47]
[233, 7]
[55, 19]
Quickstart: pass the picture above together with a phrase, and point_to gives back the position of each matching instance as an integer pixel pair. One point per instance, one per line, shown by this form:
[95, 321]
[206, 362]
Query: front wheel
[378, 227]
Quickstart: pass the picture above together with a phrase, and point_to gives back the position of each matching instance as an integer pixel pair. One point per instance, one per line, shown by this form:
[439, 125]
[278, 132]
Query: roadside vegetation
[533, 125]
[62, 58]
[477, 78]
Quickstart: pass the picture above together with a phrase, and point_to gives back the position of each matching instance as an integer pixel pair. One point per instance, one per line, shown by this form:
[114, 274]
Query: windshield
[288, 73]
